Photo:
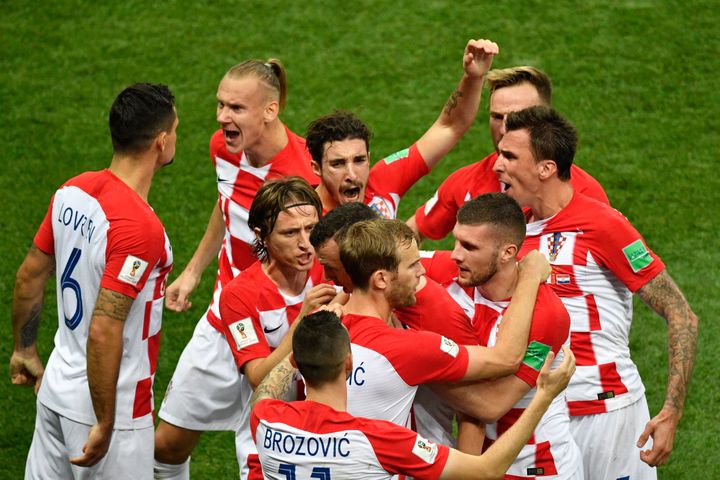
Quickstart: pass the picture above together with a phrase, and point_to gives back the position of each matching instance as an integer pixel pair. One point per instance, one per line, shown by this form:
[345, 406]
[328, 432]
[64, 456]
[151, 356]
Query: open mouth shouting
[351, 192]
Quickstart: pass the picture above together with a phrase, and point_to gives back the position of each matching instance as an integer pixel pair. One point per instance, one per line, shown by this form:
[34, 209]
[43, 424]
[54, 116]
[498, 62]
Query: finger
[642, 440]
[85, 460]
[548, 362]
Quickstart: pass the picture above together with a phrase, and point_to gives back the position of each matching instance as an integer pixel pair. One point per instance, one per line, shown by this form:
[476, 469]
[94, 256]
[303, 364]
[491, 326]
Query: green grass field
[638, 78]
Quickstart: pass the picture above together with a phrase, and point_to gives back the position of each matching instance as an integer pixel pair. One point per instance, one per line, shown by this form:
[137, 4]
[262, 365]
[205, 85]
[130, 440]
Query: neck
[332, 394]
[502, 285]
[273, 140]
[369, 303]
[553, 197]
[135, 171]
[287, 279]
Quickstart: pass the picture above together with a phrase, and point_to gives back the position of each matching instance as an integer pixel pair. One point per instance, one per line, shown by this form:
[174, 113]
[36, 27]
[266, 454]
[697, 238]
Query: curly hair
[336, 126]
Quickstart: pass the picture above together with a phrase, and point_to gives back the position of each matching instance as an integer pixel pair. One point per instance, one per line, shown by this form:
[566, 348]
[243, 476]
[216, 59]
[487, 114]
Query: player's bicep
[112, 305]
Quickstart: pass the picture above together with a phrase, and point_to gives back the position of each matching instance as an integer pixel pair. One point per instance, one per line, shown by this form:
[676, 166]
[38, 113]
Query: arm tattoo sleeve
[276, 384]
[664, 297]
[112, 304]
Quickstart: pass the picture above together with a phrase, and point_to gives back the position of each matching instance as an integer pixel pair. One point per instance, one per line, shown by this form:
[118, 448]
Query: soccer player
[489, 232]
[340, 148]
[434, 310]
[318, 438]
[599, 260]
[111, 254]
[383, 262]
[251, 146]
[259, 307]
[511, 89]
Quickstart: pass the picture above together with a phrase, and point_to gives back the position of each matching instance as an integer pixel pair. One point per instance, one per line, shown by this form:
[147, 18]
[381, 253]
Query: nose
[420, 269]
[503, 128]
[222, 115]
[456, 256]
[304, 240]
[351, 171]
[499, 165]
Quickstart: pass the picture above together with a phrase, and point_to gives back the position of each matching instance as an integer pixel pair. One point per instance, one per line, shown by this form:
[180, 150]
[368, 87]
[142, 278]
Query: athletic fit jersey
[435, 311]
[598, 260]
[389, 363]
[255, 316]
[238, 182]
[551, 450]
[103, 235]
[436, 218]
[307, 440]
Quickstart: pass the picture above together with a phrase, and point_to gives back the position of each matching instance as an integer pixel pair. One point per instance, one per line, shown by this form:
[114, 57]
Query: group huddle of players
[437, 338]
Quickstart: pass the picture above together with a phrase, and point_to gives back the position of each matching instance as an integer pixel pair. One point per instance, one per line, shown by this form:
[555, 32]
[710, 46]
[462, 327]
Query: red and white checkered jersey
[255, 317]
[598, 260]
[436, 217]
[390, 178]
[389, 363]
[436, 311]
[551, 450]
[238, 182]
[311, 440]
[103, 235]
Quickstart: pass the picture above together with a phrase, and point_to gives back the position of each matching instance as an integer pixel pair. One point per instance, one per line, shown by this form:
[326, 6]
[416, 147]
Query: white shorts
[204, 392]
[608, 443]
[57, 439]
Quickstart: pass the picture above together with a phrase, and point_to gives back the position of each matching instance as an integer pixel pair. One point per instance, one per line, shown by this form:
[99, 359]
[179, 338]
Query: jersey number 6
[67, 282]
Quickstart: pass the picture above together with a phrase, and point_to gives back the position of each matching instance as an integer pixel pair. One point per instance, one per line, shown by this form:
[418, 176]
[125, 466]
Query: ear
[546, 169]
[292, 360]
[316, 168]
[380, 279]
[161, 140]
[348, 363]
[271, 111]
[508, 252]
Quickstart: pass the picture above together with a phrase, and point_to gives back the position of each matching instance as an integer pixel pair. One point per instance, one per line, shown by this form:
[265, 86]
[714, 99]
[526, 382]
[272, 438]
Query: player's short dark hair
[138, 114]
[509, 77]
[371, 245]
[338, 219]
[334, 127]
[277, 196]
[320, 344]
[552, 137]
[498, 210]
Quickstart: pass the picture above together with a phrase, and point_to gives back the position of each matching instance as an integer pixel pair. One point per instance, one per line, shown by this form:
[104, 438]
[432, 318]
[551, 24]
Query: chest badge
[555, 243]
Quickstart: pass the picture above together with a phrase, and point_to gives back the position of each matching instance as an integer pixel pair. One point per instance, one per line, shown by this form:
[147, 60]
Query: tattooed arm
[104, 351]
[26, 368]
[276, 383]
[459, 112]
[663, 295]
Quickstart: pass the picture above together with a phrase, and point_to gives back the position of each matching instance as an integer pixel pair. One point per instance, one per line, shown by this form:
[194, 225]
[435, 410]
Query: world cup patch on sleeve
[637, 255]
[132, 270]
[425, 450]
[449, 347]
[243, 333]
